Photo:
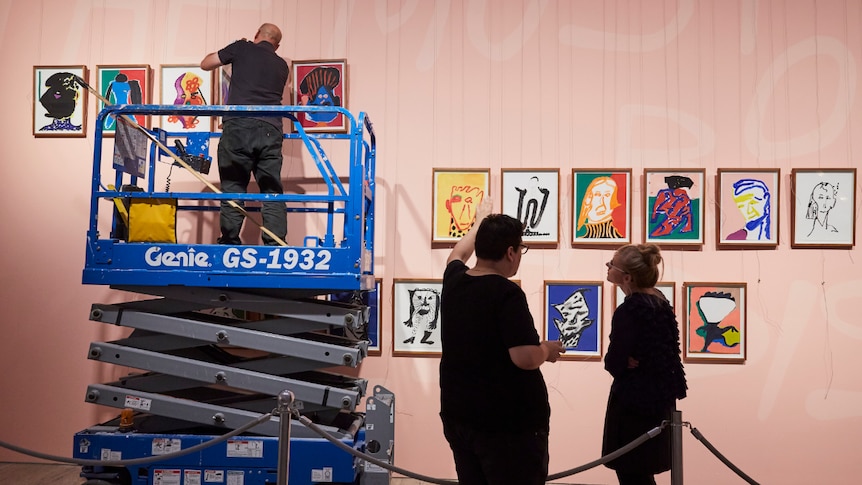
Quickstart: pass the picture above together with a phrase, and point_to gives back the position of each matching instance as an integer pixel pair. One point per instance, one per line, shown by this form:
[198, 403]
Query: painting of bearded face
[416, 317]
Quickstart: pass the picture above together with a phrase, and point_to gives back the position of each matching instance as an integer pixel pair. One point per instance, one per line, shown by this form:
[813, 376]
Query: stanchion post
[285, 406]
[676, 446]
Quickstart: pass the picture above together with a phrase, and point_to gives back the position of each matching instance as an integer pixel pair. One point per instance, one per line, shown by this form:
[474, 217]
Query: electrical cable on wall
[827, 351]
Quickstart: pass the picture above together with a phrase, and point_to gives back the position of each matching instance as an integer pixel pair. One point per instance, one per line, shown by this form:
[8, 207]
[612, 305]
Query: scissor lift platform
[218, 331]
[340, 258]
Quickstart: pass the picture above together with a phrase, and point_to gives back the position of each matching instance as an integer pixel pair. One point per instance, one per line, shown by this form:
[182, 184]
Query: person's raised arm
[464, 247]
[211, 61]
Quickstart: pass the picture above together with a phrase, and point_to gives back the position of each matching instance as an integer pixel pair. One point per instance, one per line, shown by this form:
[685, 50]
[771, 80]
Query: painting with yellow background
[457, 194]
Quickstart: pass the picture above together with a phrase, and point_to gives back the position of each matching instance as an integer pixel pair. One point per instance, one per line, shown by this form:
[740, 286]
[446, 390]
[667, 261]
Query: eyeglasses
[523, 248]
[610, 265]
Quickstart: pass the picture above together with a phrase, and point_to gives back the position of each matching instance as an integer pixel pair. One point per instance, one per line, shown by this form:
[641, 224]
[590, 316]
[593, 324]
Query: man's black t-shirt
[482, 317]
[258, 75]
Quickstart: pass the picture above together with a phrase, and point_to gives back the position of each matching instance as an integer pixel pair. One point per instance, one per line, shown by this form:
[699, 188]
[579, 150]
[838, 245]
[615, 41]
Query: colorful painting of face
[573, 315]
[130, 84]
[457, 194]
[59, 101]
[186, 86]
[603, 202]
[321, 83]
[746, 213]
[714, 322]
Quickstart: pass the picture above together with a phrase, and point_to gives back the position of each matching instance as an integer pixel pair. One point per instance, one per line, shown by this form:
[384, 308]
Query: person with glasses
[493, 398]
[643, 358]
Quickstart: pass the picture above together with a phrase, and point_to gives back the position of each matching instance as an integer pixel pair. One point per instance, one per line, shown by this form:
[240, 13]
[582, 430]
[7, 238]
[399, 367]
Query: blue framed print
[573, 315]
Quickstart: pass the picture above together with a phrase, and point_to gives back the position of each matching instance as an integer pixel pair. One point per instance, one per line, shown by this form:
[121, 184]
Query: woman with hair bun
[644, 359]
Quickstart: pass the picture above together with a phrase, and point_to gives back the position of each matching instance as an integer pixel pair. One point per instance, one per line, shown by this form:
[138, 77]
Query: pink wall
[712, 84]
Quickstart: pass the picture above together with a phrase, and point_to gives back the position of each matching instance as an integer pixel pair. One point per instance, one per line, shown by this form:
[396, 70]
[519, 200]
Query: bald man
[252, 145]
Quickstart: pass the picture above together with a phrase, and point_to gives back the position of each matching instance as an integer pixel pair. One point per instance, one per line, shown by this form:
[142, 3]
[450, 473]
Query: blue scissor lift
[219, 331]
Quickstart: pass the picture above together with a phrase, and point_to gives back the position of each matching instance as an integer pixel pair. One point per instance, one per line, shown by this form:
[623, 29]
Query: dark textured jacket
[644, 327]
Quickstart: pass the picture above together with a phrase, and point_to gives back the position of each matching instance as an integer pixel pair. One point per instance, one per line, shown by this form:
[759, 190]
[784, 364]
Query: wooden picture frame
[601, 207]
[223, 89]
[186, 84]
[373, 332]
[124, 84]
[673, 206]
[667, 288]
[746, 213]
[416, 333]
[59, 102]
[321, 83]
[564, 318]
[715, 325]
[456, 194]
[533, 197]
[823, 208]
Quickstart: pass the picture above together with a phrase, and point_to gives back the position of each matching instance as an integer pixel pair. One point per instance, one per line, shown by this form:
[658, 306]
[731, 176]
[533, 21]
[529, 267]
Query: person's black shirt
[258, 75]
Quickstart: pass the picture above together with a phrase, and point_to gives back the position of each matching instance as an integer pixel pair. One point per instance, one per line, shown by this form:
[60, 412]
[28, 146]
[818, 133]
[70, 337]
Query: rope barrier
[721, 457]
[307, 422]
[383, 464]
[610, 456]
[140, 461]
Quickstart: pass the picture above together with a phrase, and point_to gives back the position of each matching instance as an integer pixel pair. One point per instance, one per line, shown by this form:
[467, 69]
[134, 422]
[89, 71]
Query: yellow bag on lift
[148, 220]
[153, 220]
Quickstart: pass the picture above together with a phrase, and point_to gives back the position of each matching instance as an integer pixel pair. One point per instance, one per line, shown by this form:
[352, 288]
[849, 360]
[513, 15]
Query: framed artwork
[321, 83]
[601, 207]
[222, 90]
[59, 102]
[416, 317]
[673, 206]
[186, 85]
[573, 315]
[668, 289]
[533, 197]
[124, 84]
[224, 74]
[456, 194]
[823, 208]
[371, 299]
[746, 215]
[714, 322]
